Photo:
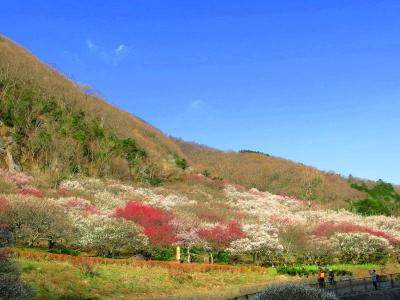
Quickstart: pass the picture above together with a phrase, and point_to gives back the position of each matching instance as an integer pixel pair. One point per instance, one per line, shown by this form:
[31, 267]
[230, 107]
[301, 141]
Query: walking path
[348, 287]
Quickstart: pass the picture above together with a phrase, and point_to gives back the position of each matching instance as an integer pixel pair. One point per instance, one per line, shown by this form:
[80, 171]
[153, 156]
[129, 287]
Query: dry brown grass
[271, 174]
[17, 62]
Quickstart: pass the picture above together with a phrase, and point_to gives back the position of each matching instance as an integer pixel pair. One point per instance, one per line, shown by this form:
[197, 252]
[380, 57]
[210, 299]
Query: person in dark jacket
[374, 278]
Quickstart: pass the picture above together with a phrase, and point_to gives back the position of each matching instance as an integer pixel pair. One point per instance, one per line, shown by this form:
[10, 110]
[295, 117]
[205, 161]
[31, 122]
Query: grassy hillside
[58, 127]
[51, 125]
[268, 173]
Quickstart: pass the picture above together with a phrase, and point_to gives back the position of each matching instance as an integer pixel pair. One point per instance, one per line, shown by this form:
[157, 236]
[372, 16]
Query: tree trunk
[188, 254]
[212, 258]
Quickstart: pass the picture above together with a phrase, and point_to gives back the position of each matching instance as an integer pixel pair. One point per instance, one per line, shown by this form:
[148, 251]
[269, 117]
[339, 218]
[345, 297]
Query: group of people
[322, 274]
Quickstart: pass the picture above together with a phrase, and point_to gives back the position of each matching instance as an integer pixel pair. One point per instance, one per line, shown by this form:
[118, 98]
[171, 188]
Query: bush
[302, 271]
[86, 267]
[382, 199]
[11, 289]
[295, 291]
[10, 286]
[164, 253]
[65, 251]
[181, 162]
[370, 207]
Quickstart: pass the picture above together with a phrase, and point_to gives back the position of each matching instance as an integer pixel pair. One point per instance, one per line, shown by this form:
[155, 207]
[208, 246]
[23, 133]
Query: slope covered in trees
[53, 126]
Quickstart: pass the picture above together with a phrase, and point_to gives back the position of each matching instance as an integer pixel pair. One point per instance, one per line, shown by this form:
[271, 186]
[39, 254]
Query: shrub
[86, 267]
[299, 270]
[370, 207]
[14, 290]
[10, 286]
[72, 252]
[206, 173]
[181, 162]
[163, 253]
[31, 191]
[382, 199]
[295, 291]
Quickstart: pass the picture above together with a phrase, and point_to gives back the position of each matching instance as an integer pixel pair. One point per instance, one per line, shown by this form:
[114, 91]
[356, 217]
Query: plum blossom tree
[187, 232]
[221, 236]
[108, 235]
[361, 247]
[260, 240]
[33, 219]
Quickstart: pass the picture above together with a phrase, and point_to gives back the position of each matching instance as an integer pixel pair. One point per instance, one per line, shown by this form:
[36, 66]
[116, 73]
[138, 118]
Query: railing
[350, 286]
[362, 285]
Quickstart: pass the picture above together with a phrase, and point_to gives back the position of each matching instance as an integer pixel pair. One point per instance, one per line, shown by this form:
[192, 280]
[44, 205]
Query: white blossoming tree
[357, 247]
[108, 235]
[261, 241]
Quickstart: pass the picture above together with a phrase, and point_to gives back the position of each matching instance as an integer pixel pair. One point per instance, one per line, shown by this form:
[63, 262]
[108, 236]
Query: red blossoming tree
[220, 236]
[156, 222]
[328, 229]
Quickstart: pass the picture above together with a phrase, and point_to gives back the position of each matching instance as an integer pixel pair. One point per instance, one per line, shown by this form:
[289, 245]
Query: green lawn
[52, 279]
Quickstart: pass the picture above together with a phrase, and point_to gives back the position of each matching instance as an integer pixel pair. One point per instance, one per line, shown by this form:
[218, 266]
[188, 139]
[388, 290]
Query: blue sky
[316, 82]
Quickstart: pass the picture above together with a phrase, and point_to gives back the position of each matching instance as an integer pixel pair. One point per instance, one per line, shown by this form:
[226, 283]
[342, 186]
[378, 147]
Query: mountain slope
[37, 99]
[51, 124]
[268, 173]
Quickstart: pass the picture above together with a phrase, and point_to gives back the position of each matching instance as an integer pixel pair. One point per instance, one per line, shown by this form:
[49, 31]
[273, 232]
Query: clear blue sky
[316, 82]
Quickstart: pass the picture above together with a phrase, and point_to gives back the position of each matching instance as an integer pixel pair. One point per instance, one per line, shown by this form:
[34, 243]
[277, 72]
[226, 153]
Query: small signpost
[178, 253]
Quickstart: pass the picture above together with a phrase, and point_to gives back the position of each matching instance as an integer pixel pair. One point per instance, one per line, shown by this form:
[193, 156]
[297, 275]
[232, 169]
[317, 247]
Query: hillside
[56, 127]
[269, 173]
[81, 180]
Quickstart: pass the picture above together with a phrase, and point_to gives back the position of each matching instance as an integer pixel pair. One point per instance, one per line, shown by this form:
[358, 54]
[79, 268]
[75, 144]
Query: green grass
[52, 279]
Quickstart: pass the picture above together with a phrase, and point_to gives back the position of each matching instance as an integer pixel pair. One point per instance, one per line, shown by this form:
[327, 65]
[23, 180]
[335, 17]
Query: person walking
[374, 278]
[321, 278]
[331, 277]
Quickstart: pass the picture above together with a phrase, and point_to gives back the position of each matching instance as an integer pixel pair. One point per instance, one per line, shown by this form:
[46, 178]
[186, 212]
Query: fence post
[391, 281]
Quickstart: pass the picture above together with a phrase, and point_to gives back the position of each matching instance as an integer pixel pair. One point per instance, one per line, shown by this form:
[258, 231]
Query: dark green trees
[382, 199]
